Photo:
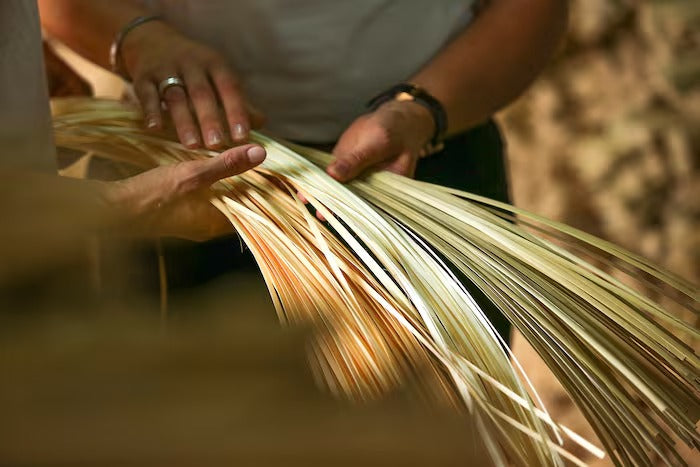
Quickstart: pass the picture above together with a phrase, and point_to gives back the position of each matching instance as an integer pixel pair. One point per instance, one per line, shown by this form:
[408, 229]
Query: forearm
[88, 26]
[494, 59]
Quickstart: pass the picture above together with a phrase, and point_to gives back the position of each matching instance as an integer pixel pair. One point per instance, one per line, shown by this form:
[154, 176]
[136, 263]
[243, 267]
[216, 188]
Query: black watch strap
[408, 91]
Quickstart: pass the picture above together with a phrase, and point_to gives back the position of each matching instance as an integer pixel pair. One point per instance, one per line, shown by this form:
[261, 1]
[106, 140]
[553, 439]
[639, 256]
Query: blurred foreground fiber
[88, 381]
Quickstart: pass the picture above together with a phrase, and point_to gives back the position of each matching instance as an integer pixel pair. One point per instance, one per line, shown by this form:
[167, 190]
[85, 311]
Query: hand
[174, 200]
[153, 52]
[390, 138]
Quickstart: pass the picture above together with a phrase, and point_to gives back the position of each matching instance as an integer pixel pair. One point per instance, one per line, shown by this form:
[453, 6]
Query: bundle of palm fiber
[373, 281]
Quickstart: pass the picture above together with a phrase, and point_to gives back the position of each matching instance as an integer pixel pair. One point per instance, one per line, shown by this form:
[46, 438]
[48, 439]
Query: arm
[89, 26]
[489, 64]
[51, 215]
[484, 68]
[152, 52]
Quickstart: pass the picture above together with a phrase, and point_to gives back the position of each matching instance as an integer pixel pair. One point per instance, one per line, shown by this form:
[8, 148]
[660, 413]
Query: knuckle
[228, 80]
[210, 121]
[175, 95]
[183, 122]
[144, 91]
[207, 54]
[355, 158]
[216, 63]
[380, 134]
[232, 162]
[186, 60]
[142, 84]
[189, 177]
[235, 115]
[151, 105]
[231, 93]
[200, 93]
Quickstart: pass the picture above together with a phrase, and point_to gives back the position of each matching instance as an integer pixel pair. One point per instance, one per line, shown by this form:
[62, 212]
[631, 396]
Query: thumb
[229, 163]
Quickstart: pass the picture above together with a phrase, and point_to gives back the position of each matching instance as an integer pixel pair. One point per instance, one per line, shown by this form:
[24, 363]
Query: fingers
[202, 174]
[232, 100]
[204, 102]
[303, 198]
[354, 155]
[195, 109]
[175, 97]
[150, 191]
[147, 93]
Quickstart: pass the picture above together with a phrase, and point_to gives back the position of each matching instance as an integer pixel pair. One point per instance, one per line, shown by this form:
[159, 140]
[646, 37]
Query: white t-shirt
[311, 65]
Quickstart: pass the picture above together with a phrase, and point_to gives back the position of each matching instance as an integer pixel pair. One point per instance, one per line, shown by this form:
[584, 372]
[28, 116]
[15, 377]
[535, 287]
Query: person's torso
[311, 65]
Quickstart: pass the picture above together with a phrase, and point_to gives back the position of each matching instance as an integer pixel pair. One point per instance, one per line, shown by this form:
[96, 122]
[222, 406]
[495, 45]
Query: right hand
[154, 51]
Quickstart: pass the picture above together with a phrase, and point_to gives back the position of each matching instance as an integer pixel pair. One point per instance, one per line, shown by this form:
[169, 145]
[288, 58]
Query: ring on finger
[169, 82]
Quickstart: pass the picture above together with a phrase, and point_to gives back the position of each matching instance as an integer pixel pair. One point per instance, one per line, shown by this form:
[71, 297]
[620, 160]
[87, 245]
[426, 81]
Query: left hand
[390, 138]
[173, 200]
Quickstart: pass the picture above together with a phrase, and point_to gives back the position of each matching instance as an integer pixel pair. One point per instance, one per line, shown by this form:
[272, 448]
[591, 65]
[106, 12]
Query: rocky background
[608, 140]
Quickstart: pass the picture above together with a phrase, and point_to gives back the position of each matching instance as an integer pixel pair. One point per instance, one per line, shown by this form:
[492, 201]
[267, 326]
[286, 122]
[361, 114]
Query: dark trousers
[473, 161]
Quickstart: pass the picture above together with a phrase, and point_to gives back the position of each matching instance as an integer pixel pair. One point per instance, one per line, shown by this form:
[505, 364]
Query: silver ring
[168, 83]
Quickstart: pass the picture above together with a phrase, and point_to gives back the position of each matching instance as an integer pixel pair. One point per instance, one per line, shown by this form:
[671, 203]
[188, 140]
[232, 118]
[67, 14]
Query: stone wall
[608, 140]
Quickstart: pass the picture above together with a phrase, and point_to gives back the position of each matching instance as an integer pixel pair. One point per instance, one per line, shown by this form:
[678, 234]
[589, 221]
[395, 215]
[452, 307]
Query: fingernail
[256, 154]
[239, 131]
[151, 122]
[190, 139]
[340, 169]
[214, 138]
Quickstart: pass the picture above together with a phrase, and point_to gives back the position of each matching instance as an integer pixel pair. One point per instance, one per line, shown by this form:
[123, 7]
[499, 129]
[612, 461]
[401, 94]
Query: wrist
[407, 93]
[115, 196]
[140, 39]
[127, 212]
[416, 118]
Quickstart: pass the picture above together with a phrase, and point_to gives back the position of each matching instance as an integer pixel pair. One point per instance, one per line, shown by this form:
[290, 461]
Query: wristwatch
[411, 92]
